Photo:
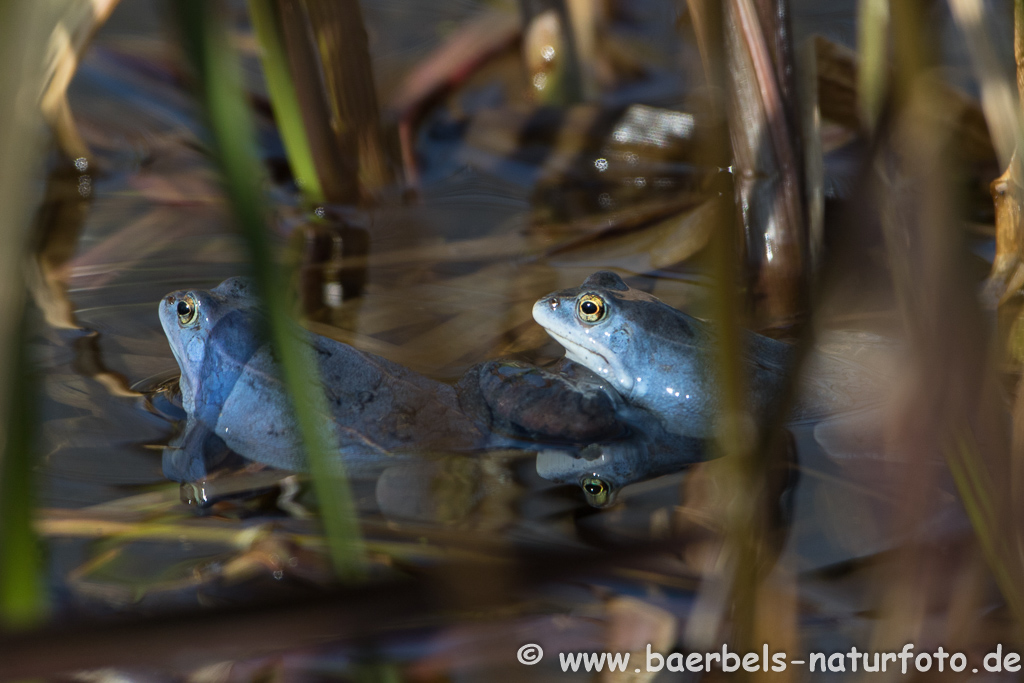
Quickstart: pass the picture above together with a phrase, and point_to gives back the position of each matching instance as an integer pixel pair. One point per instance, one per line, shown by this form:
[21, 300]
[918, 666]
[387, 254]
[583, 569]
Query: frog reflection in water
[661, 362]
[379, 410]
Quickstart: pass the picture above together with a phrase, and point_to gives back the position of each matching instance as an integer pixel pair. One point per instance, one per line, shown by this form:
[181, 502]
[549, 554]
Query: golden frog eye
[188, 311]
[591, 308]
[597, 491]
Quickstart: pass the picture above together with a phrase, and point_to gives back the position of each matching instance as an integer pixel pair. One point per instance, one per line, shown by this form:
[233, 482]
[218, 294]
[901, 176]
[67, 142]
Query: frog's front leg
[191, 455]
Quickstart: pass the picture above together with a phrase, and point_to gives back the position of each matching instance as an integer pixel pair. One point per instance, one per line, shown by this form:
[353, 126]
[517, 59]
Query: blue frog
[380, 411]
[663, 360]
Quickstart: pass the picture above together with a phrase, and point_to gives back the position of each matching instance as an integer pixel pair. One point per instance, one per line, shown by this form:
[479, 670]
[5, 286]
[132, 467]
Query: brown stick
[768, 172]
[338, 175]
[771, 96]
[340, 36]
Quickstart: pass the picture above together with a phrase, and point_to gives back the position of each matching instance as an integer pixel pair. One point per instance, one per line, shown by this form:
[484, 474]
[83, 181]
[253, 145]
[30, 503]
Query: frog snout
[543, 308]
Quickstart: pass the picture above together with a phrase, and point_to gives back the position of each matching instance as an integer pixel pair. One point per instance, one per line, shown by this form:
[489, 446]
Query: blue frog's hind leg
[522, 405]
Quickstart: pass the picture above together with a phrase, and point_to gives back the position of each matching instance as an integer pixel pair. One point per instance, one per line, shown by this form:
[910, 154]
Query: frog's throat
[186, 382]
[597, 363]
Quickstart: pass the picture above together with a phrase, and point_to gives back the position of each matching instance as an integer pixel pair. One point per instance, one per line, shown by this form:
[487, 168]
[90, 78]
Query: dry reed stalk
[338, 175]
[339, 37]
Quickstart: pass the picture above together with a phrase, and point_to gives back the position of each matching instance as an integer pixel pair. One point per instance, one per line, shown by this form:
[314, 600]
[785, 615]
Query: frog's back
[840, 374]
[377, 408]
[377, 399]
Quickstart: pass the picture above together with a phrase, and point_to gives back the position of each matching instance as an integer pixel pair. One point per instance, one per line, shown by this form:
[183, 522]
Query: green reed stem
[873, 60]
[284, 99]
[22, 592]
[24, 29]
[205, 41]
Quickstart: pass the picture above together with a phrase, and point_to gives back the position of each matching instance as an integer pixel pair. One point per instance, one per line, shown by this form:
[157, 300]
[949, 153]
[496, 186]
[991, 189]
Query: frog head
[212, 335]
[611, 328]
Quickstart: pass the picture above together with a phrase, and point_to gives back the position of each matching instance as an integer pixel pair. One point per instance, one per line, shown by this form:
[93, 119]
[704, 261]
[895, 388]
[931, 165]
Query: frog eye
[591, 308]
[597, 490]
[188, 311]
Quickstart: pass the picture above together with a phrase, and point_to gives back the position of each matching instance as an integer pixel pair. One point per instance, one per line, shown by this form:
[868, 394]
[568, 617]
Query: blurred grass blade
[22, 593]
[586, 19]
[734, 472]
[77, 23]
[998, 99]
[205, 40]
[549, 52]
[283, 99]
[1002, 107]
[873, 61]
[977, 492]
[814, 162]
[25, 28]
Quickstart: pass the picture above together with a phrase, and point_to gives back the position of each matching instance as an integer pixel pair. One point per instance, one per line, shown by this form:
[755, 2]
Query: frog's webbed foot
[529, 402]
[190, 456]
